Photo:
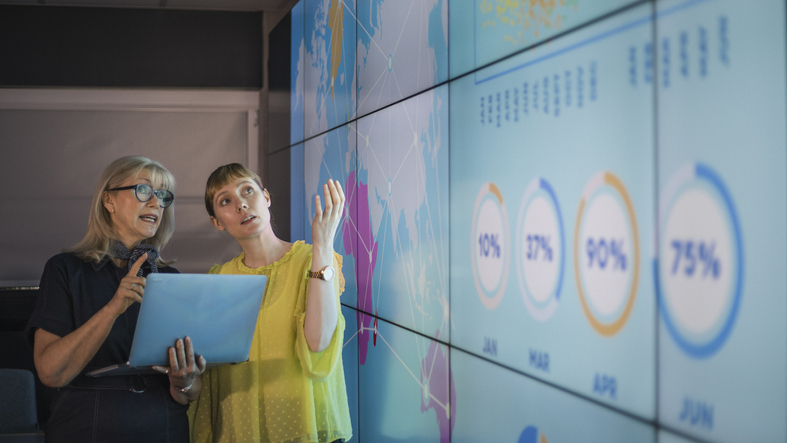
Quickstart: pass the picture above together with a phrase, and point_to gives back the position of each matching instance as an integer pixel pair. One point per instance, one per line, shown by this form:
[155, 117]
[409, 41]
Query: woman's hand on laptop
[185, 371]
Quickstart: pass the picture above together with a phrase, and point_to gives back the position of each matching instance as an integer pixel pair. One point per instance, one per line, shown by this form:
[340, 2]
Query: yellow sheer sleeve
[318, 366]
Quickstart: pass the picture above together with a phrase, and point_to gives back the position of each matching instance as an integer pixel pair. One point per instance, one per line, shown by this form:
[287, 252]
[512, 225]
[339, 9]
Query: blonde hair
[100, 233]
[224, 175]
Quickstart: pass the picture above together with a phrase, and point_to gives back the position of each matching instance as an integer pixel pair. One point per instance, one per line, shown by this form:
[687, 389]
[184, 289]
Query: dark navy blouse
[72, 290]
[129, 408]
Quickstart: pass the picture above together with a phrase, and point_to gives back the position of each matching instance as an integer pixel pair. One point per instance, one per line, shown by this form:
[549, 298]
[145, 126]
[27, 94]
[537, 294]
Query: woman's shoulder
[300, 247]
[67, 260]
[66, 266]
[229, 267]
[299, 252]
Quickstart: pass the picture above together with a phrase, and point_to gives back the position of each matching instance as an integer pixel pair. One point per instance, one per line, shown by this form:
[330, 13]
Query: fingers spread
[326, 221]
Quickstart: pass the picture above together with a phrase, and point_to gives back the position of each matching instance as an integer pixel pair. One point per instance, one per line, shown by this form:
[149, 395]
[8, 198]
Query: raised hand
[130, 290]
[326, 222]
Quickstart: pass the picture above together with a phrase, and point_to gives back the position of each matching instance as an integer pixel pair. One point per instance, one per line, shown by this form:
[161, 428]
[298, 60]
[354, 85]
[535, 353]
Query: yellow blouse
[285, 392]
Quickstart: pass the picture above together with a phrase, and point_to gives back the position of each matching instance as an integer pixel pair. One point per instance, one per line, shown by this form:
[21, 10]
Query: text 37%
[538, 243]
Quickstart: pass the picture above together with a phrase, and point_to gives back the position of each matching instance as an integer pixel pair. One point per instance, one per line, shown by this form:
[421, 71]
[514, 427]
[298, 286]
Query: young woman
[292, 388]
[86, 313]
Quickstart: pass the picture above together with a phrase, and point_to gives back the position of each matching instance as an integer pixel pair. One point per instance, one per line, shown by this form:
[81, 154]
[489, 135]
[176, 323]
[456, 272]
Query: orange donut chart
[607, 329]
[489, 300]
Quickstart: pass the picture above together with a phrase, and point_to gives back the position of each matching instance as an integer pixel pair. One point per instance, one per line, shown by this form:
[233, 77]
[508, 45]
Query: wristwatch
[325, 273]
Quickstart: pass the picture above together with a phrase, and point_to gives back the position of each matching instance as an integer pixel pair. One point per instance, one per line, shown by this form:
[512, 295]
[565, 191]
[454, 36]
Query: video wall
[566, 219]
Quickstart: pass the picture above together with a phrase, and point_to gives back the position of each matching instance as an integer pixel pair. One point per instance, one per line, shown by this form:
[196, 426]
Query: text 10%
[605, 251]
[488, 245]
[693, 254]
[538, 243]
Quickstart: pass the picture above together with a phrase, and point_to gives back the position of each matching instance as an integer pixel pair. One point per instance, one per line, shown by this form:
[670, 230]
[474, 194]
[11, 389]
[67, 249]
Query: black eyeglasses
[144, 192]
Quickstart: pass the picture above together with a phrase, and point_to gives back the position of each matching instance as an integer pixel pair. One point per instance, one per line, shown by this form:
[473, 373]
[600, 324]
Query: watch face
[327, 273]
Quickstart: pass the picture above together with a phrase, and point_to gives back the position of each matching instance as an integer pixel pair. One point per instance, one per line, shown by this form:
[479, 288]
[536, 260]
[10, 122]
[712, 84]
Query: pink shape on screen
[363, 249]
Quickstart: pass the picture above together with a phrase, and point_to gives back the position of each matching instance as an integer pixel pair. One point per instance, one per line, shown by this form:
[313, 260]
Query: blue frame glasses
[144, 192]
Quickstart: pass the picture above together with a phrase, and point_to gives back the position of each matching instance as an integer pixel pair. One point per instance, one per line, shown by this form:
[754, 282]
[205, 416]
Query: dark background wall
[15, 307]
[124, 49]
[116, 47]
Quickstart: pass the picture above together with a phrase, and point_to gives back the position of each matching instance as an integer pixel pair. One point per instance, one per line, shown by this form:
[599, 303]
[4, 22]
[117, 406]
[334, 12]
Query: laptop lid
[218, 311]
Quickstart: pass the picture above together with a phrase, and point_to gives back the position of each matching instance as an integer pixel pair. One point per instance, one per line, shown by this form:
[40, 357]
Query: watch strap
[315, 274]
[321, 273]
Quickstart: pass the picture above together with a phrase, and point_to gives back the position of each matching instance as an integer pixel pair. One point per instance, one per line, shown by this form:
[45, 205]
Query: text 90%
[603, 250]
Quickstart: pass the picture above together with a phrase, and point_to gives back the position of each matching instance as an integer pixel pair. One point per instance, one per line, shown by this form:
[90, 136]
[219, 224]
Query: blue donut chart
[548, 189]
[540, 313]
[700, 351]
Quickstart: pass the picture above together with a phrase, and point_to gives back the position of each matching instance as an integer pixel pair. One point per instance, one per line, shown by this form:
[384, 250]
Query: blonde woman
[292, 389]
[86, 313]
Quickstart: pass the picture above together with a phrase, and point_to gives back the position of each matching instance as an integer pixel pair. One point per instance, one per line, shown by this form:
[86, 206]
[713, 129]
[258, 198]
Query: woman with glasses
[86, 313]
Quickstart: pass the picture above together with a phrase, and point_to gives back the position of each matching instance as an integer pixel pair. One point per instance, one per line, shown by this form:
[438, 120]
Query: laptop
[218, 311]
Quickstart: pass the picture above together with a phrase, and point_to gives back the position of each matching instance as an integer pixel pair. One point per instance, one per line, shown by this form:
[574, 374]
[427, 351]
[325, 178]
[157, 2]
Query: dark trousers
[117, 414]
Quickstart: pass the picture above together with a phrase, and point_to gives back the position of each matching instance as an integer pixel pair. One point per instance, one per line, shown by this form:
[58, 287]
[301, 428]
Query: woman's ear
[216, 223]
[108, 202]
[267, 196]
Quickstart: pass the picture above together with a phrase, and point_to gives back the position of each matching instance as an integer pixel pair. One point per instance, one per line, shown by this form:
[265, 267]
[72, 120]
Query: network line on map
[427, 377]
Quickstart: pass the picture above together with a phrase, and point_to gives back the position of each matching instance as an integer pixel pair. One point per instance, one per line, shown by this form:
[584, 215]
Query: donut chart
[700, 273]
[606, 253]
[540, 249]
[489, 245]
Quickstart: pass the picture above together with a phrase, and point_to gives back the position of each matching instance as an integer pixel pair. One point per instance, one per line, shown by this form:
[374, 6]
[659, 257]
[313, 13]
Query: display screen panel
[402, 49]
[552, 178]
[485, 393]
[403, 198]
[351, 365]
[587, 213]
[332, 156]
[668, 437]
[484, 31]
[329, 64]
[410, 373]
[722, 243]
